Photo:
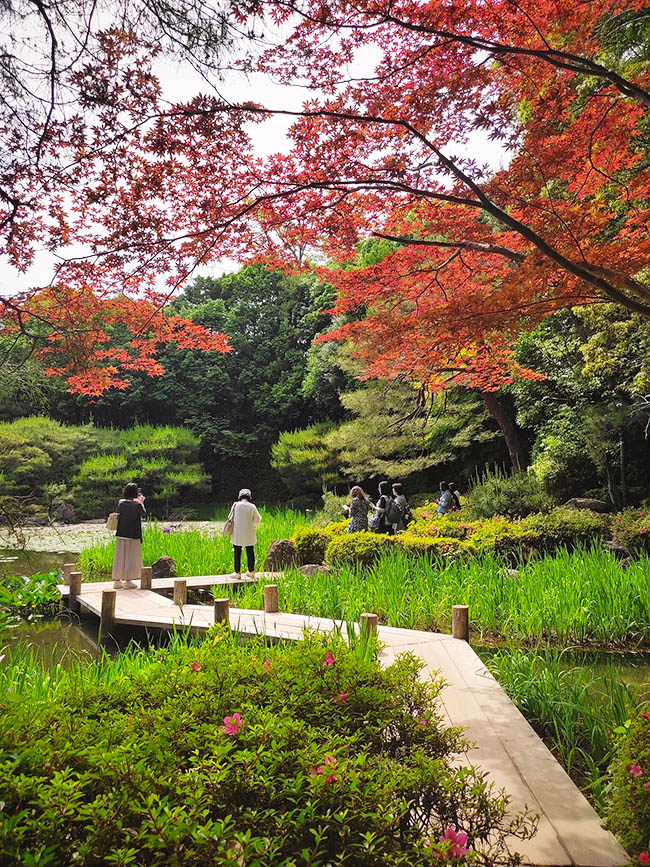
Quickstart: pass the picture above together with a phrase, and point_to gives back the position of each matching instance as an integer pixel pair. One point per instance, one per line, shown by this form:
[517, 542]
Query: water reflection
[51, 642]
[23, 562]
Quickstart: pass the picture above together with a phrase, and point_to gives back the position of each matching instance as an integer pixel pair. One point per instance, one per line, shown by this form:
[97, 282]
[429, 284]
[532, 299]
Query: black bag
[393, 513]
[408, 516]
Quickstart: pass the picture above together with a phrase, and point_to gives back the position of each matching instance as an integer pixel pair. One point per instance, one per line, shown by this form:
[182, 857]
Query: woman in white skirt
[246, 519]
[127, 561]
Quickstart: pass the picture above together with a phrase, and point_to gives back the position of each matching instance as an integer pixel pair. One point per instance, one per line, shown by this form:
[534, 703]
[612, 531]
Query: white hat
[245, 492]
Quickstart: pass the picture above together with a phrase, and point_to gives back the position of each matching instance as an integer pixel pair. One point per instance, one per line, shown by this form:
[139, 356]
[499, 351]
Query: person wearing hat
[246, 519]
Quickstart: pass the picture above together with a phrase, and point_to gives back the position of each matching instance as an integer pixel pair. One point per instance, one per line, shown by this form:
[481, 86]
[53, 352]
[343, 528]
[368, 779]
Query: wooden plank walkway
[506, 747]
[195, 582]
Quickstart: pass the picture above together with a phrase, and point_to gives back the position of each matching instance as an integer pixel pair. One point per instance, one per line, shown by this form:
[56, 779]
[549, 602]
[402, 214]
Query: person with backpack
[386, 512]
[405, 512]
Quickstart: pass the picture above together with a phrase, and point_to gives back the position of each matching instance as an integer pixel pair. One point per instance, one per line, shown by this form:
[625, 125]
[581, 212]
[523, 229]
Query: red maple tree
[480, 253]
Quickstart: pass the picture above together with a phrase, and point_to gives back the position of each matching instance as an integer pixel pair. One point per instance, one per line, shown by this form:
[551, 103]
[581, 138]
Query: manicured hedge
[226, 755]
[451, 536]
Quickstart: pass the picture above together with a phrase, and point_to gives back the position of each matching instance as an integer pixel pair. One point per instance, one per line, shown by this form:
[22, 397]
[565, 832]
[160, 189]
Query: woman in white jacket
[246, 519]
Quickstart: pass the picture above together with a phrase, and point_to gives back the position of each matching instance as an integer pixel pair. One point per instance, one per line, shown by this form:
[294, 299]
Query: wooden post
[107, 619]
[180, 591]
[145, 578]
[460, 622]
[271, 598]
[67, 569]
[75, 590]
[368, 624]
[222, 611]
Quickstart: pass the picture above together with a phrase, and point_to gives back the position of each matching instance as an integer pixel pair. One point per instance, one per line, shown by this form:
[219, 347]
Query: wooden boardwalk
[506, 747]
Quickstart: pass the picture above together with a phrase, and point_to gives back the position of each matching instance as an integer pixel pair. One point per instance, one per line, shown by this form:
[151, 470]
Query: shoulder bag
[111, 521]
[229, 526]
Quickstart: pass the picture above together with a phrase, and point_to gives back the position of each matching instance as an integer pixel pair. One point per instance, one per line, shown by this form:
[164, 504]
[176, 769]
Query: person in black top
[382, 505]
[127, 560]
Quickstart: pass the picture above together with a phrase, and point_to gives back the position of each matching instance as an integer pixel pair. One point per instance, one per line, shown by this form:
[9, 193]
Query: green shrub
[629, 814]
[144, 762]
[432, 547]
[567, 527]
[362, 548]
[631, 529]
[497, 493]
[311, 545]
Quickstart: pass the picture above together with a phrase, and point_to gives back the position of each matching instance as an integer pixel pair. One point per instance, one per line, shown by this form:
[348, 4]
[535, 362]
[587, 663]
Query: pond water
[53, 641]
[20, 562]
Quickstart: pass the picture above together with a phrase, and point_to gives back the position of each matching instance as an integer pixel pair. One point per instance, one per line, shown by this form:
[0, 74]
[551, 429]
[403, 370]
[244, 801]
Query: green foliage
[163, 460]
[573, 707]
[542, 532]
[38, 451]
[305, 460]
[28, 597]
[495, 492]
[561, 462]
[567, 527]
[332, 510]
[311, 544]
[631, 529]
[357, 548]
[132, 763]
[629, 814]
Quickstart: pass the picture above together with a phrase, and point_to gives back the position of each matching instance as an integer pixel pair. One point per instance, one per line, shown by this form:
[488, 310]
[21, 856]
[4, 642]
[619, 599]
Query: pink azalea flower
[329, 768]
[195, 666]
[647, 785]
[631, 809]
[231, 725]
[635, 770]
[423, 722]
[329, 659]
[644, 857]
[340, 697]
[646, 716]
[457, 840]
[266, 668]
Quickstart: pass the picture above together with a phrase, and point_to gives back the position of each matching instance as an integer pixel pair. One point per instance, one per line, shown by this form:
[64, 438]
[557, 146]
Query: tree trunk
[518, 456]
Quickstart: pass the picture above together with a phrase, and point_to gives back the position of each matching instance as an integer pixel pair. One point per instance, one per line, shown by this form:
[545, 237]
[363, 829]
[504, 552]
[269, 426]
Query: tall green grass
[578, 597]
[574, 708]
[195, 553]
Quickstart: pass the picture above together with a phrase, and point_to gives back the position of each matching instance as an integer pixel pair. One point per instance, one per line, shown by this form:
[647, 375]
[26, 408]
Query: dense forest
[292, 417]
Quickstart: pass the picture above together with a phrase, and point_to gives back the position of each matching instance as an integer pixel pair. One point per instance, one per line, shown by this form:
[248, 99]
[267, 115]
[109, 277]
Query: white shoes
[124, 585]
[250, 575]
[118, 585]
[236, 575]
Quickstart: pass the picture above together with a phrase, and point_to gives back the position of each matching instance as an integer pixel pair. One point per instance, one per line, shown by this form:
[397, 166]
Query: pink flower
[329, 659]
[329, 769]
[457, 842]
[195, 666]
[340, 697]
[231, 725]
[423, 722]
[266, 668]
[647, 785]
[646, 716]
[631, 809]
[635, 770]
[644, 857]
